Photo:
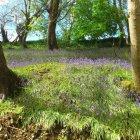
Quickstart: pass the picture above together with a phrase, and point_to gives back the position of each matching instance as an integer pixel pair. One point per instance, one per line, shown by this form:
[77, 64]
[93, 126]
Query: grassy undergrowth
[83, 99]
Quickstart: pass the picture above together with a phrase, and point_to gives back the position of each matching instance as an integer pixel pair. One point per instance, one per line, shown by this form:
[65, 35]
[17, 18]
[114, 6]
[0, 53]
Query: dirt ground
[11, 129]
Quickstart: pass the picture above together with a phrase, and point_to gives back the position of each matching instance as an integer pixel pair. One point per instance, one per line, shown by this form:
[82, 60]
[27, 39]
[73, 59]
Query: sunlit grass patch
[80, 98]
[10, 106]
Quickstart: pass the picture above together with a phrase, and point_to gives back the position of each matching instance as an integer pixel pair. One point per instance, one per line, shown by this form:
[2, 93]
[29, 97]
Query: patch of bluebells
[84, 91]
[19, 64]
[96, 62]
[28, 57]
[134, 97]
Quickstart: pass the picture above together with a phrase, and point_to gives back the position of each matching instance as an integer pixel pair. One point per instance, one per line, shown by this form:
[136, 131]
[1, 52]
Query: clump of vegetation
[79, 100]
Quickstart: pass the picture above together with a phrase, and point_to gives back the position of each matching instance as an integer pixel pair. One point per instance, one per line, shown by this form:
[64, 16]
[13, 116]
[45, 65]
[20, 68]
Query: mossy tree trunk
[8, 79]
[134, 24]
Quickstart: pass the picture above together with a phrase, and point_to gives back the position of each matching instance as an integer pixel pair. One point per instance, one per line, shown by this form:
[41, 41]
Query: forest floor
[71, 95]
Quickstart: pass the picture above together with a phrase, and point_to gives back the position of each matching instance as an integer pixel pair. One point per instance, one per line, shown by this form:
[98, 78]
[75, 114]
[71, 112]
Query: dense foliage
[94, 19]
[80, 20]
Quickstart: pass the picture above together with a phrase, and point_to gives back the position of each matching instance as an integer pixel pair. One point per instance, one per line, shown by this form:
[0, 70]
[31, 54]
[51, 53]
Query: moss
[127, 85]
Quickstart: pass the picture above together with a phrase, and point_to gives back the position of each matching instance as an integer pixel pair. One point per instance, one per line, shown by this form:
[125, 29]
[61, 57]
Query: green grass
[79, 98]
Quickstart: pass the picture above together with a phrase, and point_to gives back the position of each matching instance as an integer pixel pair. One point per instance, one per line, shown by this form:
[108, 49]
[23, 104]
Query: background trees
[31, 11]
[5, 19]
[72, 20]
[94, 19]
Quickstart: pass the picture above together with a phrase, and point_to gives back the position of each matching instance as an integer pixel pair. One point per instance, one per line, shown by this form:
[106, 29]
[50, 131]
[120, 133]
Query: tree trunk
[128, 33]
[22, 32]
[121, 26]
[4, 35]
[52, 42]
[127, 37]
[121, 39]
[3, 75]
[119, 13]
[22, 40]
[53, 15]
[134, 24]
[7, 78]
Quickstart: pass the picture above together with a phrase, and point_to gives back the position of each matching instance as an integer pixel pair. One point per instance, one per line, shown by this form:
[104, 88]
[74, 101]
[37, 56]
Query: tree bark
[119, 13]
[128, 32]
[4, 35]
[52, 42]
[134, 24]
[53, 15]
[23, 40]
[121, 39]
[3, 74]
[22, 35]
[121, 26]
[8, 79]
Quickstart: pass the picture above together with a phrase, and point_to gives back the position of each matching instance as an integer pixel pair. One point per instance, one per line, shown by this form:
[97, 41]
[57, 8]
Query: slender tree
[66, 24]
[125, 8]
[120, 17]
[134, 24]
